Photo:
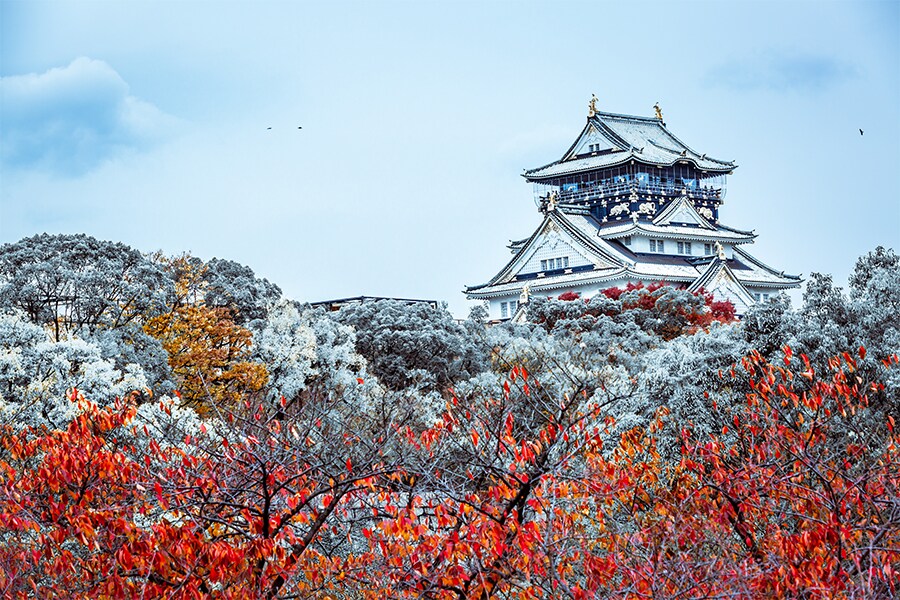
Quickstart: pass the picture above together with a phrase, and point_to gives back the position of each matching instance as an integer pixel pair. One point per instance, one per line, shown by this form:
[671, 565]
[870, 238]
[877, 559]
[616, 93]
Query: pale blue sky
[147, 123]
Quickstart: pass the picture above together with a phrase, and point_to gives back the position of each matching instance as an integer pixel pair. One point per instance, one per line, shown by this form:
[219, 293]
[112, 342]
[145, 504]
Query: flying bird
[300, 128]
[860, 132]
[267, 128]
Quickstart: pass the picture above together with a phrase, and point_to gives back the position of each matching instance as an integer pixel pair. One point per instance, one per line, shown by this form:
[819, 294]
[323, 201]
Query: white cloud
[69, 120]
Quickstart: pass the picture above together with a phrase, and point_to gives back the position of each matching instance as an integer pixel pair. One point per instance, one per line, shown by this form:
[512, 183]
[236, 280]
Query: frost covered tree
[131, 345]
[37, 375]
[285, 344]
[235, 286]
[313, 365]
[413, 344]
[685, 375]
[72, 282]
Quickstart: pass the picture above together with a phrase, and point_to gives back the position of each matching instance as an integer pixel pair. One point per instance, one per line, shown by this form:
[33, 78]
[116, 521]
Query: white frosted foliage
[37, 375]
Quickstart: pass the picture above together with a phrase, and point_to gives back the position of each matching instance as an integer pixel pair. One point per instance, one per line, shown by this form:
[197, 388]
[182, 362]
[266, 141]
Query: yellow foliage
[208, 352]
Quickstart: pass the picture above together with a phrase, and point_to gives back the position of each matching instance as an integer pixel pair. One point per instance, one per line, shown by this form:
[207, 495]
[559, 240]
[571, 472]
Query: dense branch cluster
[171, 428]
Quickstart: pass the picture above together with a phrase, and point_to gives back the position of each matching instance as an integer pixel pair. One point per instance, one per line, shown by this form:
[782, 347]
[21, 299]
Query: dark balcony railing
[585, 192]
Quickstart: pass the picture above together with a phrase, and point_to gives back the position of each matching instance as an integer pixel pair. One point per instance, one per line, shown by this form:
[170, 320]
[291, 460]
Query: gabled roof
[551, 283]
[602, 254]
[682, 211]
[720, 280]
[622, 138]
[763, 274]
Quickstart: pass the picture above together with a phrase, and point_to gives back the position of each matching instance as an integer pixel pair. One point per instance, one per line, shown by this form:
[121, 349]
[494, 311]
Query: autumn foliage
[797, 498]
[207, 351]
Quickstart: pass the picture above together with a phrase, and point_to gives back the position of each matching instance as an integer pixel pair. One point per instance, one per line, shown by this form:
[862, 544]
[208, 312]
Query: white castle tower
[630, 202]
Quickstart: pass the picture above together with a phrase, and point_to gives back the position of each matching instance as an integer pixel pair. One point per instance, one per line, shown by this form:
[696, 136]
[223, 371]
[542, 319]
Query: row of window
[555, 263]
[684, 248]
[508, 309]
[757, 296]
[678, 175]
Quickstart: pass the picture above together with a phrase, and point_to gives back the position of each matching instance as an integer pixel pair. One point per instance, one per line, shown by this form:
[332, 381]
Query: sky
[175, 126]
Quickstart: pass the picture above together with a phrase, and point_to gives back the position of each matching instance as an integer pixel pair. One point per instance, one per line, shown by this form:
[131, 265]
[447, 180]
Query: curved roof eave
[765, 267]
[532, 177]
[484, 291]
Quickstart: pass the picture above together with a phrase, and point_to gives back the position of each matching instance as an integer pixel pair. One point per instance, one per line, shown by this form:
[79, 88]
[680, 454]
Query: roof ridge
[624, 116]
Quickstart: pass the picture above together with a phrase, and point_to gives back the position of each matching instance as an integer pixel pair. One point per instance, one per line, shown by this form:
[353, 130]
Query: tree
[783, 503]
[286, 345]
[209, 353]
[36, 374]
[259, 508]
[790, 501]
[234, 286]
[808, 462]
[413, 344]
[71, 282]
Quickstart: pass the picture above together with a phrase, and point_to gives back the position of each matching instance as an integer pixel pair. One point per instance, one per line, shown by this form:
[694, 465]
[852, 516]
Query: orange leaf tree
[521, 495]
[260, 508]
[799, 498]
[208, 352]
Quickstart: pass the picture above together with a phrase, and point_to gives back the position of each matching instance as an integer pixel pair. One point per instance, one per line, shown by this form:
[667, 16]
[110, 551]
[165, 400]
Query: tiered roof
[622, 138]
[604, 254]
[613, 261]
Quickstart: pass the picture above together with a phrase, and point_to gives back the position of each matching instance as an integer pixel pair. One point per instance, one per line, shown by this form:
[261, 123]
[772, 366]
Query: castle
[630, 202]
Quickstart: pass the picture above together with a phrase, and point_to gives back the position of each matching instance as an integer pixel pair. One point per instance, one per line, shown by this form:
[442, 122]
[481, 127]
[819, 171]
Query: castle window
[627, 241]
[684, 248]
[657, 246]
[508, 309]
[555, 263]
[708, 249]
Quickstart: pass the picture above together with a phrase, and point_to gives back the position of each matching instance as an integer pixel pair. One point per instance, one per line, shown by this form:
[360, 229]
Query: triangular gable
[597, 245]
[720, 281]
[591, 140]
[556, 244]
[681, 211]
[552, 230]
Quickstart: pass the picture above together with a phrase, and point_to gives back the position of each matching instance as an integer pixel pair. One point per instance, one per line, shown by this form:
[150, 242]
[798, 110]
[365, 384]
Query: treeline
[176, 428]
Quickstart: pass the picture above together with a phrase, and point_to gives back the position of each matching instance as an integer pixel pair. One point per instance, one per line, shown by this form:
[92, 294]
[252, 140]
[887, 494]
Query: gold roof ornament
[658, 111]
[526, 294]
[720, 251]
[552, 201]
[592, 106]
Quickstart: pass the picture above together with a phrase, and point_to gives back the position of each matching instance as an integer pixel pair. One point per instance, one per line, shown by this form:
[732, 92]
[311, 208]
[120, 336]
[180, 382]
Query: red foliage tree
[508, 497]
